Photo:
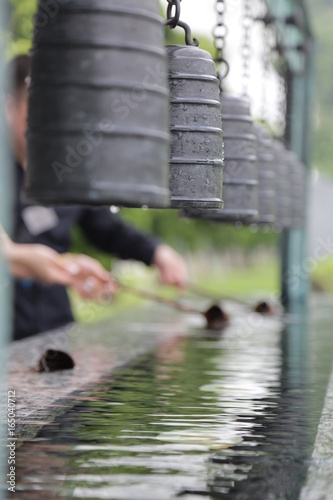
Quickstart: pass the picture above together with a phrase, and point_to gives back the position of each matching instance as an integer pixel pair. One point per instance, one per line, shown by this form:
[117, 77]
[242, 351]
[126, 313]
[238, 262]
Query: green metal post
[295, 264]
[5, 210]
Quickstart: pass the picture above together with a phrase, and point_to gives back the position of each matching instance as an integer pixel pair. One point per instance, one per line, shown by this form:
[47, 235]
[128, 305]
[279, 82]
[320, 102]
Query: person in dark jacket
[39, 307]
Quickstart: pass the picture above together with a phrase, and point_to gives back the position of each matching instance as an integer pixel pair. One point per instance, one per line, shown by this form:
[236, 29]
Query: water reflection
[229, 418]
[272, 462]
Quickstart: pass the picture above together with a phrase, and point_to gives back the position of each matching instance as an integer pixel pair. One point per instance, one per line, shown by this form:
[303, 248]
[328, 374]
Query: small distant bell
[299, 188]
[267, 176]
[240, 178]
[283, 187]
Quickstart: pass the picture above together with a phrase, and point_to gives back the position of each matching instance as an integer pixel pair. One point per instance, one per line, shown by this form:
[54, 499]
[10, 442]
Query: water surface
[230, 417]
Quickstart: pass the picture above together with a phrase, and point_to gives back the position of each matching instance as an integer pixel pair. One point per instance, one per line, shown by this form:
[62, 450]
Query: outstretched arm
[41, 263]
[108, 232]
[171, 266]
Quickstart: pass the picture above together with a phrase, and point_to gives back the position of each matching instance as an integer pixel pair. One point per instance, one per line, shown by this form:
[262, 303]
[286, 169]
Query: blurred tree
[321, 13]
[21, 27]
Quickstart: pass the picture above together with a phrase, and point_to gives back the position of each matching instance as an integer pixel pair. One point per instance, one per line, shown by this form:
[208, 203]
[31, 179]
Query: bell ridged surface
[196, 165]
[98, 110]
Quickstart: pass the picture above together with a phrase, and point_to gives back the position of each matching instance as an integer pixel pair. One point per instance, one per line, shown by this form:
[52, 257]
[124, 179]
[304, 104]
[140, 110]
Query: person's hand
[36, 262]
[171, 266]
[89, 277]
[41, 263]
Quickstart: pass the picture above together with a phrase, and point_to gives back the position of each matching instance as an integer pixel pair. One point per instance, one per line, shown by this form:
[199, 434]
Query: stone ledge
[98, 349]
[319, 484]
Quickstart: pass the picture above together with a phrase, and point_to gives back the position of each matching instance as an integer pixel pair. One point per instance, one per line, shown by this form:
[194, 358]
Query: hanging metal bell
[241, 171]
[196, 164]
[298, 190]
[98, 128]
[240, 179]
[283, 188]
[266, 172]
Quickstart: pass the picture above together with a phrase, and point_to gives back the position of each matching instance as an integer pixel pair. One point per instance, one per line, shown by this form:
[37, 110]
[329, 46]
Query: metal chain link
[220, 32]
[173, 20]
[246, 49]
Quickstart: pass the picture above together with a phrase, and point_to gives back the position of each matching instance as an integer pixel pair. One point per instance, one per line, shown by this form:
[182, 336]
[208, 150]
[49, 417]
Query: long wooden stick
[162, 300]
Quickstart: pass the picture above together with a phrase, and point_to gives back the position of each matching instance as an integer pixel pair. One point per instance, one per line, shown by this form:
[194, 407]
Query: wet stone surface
[233, 417]
[97, 349]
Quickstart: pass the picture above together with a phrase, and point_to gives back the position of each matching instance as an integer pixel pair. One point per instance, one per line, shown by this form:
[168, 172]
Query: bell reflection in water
[273, 458]
[98, 113]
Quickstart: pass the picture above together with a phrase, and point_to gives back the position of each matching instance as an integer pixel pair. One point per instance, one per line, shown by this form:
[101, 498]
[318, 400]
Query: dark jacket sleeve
[109, 233]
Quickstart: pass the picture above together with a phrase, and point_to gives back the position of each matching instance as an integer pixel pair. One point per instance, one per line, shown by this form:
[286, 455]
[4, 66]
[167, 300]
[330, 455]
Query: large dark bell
[298, 183]
[266, 172]
[283, 187]
[240, 180]
[196, 164]
[98, 112]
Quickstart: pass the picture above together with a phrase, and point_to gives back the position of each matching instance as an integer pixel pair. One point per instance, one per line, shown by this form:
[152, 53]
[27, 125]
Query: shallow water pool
[230, 417]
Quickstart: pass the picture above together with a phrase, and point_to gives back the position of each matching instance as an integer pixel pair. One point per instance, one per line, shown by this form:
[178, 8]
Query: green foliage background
[322, 17]
[190, 235]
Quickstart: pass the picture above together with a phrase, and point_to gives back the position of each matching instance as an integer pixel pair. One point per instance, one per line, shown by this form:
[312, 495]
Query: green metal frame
[5, 205]
[300, 84]
[300, 75]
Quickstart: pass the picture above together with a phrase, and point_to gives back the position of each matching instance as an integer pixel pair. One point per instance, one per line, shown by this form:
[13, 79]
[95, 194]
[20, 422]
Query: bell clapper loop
[174, 21]
[188, 34]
